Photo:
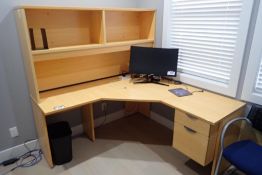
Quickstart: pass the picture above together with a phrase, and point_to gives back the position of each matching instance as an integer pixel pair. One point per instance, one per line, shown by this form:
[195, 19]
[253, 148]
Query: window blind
[258, 86]
[206, 33]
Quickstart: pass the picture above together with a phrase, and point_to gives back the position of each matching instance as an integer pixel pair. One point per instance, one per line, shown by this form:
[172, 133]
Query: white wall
[159, 6]
[15, 108]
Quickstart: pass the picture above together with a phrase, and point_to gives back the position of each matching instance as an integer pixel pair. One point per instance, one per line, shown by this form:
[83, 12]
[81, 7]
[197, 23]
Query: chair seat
[246, 156]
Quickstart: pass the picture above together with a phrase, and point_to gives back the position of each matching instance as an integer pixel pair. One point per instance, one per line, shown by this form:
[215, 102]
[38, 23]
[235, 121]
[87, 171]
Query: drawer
[196, 146]
[192, 122]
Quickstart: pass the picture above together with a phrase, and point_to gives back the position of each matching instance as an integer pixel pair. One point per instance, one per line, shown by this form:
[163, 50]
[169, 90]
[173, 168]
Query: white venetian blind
[258, 86]
[206, 33]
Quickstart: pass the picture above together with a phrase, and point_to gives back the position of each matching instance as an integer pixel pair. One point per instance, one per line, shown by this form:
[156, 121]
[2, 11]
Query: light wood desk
[86, 44]
[198, 118]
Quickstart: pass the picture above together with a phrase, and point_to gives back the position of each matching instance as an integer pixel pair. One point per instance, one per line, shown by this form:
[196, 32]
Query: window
[258, 86]
[252, 89]
[211, 36]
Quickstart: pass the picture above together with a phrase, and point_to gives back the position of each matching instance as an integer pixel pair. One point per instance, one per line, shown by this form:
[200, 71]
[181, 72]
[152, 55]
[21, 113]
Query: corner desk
[197, 123]
[64, 47]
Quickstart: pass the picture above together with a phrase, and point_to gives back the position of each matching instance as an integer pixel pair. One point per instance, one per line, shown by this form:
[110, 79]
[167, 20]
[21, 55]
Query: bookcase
[67, 46]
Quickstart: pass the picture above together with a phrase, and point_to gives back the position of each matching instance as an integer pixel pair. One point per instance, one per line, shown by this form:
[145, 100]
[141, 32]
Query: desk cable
[192, 91]
[197, 91]
[30, 158]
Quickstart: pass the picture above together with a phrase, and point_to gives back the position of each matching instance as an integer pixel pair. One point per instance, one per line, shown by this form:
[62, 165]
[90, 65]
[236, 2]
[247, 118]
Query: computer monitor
[153, 61]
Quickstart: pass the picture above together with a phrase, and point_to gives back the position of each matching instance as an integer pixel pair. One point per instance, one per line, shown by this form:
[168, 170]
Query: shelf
[65, 66]
[84, 8]
[85, 50]
[129, 25]
[53, 74]
[78, 87]
[66, 46]
[66, 27]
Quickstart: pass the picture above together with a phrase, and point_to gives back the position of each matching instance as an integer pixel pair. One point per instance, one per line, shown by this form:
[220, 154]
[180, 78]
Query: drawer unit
[196, 146]
[194, 137]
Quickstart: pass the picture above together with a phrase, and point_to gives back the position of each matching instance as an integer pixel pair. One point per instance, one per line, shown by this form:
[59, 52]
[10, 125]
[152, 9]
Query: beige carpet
[133, 145]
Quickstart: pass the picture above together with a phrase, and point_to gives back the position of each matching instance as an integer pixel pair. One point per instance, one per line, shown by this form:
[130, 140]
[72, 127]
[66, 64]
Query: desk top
[205, 105]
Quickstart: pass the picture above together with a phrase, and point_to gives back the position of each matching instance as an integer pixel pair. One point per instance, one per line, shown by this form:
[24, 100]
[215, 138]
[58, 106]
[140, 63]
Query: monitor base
[150, 79]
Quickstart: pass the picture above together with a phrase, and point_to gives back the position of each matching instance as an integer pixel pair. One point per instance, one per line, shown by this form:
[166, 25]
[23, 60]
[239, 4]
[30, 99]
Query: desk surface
[207, 106]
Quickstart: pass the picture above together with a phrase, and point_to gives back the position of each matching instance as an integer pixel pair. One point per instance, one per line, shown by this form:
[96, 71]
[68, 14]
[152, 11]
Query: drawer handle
[191, 117]
[189, 129]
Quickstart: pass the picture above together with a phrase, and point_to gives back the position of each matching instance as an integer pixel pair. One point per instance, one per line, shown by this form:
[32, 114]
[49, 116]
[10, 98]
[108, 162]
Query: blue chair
[245, 155]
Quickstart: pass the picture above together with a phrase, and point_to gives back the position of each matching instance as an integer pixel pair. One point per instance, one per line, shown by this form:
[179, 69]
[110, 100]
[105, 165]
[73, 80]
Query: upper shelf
[84, 8]
[76, 45]
[129, 25]
[85, 50]
[86, 28]
[65, 27]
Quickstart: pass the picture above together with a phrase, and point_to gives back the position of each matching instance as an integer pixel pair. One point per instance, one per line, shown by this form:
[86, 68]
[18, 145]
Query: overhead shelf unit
[67, 46]
[66, 27]
[129, 25]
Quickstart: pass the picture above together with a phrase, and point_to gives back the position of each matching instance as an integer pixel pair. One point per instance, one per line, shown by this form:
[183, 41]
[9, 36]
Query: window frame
[231, 88]
[253, 65]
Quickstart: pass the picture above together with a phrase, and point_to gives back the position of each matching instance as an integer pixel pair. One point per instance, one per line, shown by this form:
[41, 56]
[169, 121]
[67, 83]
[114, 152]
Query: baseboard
[18, 150]
[110, 118]
[77, 130]
[162, 120]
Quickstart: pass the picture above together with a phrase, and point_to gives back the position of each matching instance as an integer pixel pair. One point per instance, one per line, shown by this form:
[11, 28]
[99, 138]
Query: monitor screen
[156, 61]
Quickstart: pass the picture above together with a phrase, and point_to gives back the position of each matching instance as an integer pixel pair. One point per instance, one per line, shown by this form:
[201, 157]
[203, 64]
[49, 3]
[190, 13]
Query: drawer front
[192, 122]
[193, 144]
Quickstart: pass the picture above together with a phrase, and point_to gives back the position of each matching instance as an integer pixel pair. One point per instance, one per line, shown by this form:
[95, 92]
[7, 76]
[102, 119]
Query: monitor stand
[150, 79]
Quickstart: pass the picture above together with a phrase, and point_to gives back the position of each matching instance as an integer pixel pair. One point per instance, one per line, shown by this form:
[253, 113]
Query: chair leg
[232, 171]
[218, 163]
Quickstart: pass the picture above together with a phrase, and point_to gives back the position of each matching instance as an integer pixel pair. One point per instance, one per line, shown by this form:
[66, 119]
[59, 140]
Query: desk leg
[41, 126]
[231, 136]
[141, 107]
[144, 108]
[88, 121]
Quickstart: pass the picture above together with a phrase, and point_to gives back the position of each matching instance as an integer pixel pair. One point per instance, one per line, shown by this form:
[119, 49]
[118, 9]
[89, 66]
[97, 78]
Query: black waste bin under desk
[60, 142]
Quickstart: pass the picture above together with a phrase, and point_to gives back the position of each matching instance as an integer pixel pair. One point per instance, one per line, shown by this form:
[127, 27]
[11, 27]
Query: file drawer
[196, 146]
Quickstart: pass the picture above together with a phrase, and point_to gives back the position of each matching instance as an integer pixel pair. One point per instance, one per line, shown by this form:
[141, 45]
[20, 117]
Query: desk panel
[207, 106]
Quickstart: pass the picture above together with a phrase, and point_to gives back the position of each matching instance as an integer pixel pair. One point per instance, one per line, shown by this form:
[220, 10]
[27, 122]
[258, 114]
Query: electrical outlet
[104, 106]
[13, 132]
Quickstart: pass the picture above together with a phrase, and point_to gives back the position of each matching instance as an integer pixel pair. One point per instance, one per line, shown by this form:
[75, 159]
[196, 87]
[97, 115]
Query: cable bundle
[30, 158]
